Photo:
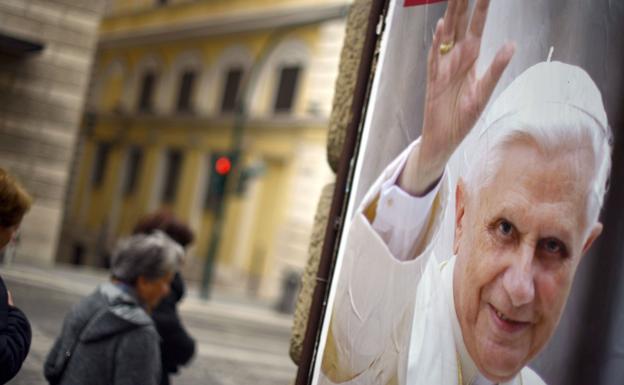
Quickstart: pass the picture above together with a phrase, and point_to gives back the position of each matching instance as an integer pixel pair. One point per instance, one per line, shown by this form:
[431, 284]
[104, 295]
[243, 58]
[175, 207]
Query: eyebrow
[555, 230]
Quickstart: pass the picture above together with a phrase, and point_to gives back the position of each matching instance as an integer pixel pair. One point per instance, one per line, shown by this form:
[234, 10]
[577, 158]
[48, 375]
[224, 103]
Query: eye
[505, 228]
[554, 246]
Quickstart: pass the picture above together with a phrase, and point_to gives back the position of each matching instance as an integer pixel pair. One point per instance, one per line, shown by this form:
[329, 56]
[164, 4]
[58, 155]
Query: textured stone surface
[308, 280]
[41, 101]
[345, 84]
[340, 118]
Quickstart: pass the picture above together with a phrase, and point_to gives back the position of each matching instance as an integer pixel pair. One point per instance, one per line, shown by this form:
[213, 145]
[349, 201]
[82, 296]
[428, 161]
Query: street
[238, 343]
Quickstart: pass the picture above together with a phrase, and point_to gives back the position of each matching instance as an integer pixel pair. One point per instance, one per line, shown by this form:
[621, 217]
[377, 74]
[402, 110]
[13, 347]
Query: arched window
[221, 88]
[287, 86]
[182, 83]
[110, 87]
[277, 90]
[147, 90]
[145, 84]
[231, 88]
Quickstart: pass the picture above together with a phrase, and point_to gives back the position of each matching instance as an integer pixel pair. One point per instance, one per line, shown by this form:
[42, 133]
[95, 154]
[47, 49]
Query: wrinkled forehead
[527, 176]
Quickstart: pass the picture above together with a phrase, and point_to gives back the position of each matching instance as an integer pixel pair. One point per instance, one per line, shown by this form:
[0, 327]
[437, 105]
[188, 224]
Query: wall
[41, 101]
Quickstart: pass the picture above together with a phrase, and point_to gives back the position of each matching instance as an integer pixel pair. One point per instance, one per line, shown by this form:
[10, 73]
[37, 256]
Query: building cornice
[191, 120]
[228, 24]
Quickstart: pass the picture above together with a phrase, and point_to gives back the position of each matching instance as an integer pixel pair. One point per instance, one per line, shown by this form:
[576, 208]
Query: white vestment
[393, 321]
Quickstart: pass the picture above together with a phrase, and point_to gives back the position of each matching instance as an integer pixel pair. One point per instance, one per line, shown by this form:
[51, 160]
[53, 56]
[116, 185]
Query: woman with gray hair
[109, 337]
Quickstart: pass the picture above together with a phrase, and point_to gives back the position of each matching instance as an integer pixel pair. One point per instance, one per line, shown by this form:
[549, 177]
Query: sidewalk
[238, 340]
[83, 280]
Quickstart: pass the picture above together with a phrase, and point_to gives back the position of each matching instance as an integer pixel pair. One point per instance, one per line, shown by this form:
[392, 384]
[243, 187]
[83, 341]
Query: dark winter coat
[177, 346]
[107, 339]
[15, 336]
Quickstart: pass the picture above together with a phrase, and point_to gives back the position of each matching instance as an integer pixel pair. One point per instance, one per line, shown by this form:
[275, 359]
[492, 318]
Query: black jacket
[15, 337]
[177, 346]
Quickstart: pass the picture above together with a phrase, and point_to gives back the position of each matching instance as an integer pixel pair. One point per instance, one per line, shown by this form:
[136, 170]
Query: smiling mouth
[505, 323]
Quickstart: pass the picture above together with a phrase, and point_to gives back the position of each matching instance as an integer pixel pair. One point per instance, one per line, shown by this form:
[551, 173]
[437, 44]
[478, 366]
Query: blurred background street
[238, 342]
[214, 111]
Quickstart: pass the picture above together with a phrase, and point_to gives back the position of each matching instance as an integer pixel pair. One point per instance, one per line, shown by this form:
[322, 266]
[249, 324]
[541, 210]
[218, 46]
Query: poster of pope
[460, 253]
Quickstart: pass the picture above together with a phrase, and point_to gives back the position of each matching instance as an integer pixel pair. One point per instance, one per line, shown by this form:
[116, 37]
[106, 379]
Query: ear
[460, 206]
[595, 232]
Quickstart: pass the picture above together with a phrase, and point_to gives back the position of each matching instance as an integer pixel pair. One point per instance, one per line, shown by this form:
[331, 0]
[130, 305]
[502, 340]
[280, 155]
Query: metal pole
[237, 138]
[236, 151]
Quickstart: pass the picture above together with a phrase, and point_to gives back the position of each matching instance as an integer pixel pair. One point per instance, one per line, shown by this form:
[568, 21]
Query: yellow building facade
[170, 81]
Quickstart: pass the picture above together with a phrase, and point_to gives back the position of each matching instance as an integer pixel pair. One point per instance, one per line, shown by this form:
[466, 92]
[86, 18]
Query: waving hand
[455, 96]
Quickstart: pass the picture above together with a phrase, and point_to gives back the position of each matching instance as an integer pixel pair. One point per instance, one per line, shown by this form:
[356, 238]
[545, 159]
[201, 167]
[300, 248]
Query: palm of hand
[453, 103]
[455, 96]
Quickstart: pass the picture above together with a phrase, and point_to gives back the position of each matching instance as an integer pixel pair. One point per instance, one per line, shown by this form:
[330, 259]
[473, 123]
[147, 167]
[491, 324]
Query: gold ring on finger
[446, 47]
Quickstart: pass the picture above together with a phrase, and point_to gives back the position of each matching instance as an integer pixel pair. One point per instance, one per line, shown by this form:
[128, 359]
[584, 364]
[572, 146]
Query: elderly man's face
[519, 240]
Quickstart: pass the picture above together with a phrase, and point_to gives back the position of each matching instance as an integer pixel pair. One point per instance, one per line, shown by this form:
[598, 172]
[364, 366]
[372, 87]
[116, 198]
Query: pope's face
[519, 240]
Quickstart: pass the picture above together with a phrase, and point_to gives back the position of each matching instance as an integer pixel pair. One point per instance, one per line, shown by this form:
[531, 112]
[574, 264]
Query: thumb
[10, 298]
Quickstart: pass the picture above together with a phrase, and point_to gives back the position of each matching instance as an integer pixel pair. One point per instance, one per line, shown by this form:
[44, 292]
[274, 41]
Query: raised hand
[455, 97]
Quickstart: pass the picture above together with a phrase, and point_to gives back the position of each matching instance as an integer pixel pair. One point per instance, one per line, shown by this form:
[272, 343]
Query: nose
[518, 278]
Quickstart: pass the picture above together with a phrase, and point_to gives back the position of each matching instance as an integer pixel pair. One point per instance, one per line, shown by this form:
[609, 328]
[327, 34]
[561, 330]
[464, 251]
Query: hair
[569, 129]
[166, 222]
[151, 256]
[14, 200]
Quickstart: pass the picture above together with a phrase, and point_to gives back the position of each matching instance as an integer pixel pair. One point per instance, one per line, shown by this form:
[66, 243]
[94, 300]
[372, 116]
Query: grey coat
[114, 340]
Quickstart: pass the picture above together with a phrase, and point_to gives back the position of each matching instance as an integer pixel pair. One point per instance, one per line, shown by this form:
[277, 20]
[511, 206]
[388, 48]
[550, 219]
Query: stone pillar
[41, 101]
[340, 118]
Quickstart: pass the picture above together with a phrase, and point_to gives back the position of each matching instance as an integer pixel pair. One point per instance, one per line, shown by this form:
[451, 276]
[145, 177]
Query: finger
[490, 79]
[434, 53]
[10, 298]
[462, 20]
[450, 17]
[479, 17]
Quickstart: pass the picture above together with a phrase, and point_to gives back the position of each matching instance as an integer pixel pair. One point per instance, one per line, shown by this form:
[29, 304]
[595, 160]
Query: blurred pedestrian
[109, 338]
[177, 346]
[15, 334]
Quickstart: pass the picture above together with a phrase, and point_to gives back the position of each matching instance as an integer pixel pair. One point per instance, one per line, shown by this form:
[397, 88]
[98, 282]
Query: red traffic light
[223, 165]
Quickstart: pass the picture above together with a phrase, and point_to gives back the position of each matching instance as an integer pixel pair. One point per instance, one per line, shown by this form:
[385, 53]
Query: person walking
[15, 333]
[177, 346]
[109, 338]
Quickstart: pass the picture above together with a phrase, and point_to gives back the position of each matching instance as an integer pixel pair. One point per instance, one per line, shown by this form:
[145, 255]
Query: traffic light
[220, 169]
[223, 165]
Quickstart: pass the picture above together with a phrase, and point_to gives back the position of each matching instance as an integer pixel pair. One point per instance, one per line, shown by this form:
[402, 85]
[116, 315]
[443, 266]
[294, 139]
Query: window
[172, 176]
[148, 84]
[231, 90]
[185, 96]
[133, 162]
[99, 166]
[287, 87]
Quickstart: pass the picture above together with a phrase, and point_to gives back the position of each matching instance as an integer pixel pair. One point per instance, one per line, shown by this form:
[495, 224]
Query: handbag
[54, 373]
